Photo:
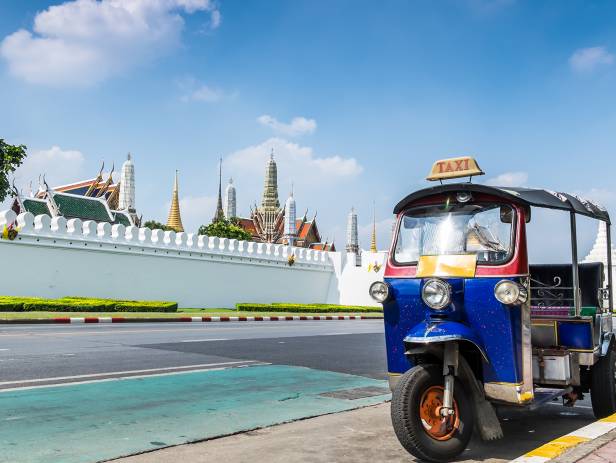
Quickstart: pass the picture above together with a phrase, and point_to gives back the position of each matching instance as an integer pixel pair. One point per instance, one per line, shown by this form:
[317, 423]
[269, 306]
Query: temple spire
[352, 235]
[270, 201]
[373, 238]
[220, 214]
[290, 225]
[175, 220]
[230, 204]
[127, 186]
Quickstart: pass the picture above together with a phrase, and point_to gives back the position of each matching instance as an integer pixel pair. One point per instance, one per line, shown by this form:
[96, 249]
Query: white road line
[4, 350]
[124, 378]
[129, 372]
[204, 340]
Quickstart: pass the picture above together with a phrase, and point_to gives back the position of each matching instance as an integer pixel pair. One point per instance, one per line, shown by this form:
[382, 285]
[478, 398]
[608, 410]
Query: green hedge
[304, 308]
[82, 304]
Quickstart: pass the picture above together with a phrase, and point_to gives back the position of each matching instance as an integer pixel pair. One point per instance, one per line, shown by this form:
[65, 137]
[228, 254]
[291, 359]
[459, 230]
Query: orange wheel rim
[438, 427]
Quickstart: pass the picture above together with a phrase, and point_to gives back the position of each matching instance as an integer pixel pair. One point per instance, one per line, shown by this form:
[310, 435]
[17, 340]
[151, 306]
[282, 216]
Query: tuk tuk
[470, 326]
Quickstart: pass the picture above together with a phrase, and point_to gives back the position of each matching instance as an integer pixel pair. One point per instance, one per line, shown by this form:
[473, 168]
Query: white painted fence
[56, 258]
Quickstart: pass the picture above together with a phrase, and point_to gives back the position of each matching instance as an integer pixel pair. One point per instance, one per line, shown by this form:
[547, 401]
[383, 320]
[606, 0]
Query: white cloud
[194, 90]
[196, 211]
[510, 179]
[294, 161]
[83, 42]
[59, 166]
[298, 125]
[589, 59]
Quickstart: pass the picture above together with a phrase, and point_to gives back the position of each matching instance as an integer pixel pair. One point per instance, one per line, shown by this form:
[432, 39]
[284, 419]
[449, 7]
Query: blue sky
[377, 92]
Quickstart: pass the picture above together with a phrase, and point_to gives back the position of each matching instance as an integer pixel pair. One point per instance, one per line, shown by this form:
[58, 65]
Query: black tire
[405, 415]
[603, 385]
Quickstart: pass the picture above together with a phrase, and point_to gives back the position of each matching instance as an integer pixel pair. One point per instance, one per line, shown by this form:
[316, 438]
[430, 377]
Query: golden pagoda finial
[373, 238]
[175, 220]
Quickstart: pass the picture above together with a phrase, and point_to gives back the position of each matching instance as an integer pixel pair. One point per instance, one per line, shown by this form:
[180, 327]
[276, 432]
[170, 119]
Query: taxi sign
[454, 168]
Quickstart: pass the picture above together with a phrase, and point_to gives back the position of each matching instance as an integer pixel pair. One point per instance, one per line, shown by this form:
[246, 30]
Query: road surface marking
[204, 340]
[561, 444]
[128, 372]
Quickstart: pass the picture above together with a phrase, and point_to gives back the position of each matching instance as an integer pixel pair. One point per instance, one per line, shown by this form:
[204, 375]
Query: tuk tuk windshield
[485, 230]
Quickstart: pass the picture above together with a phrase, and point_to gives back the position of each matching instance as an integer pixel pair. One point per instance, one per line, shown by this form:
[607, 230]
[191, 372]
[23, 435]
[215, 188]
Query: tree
[154, 225]
[11, 157]
[224, 228]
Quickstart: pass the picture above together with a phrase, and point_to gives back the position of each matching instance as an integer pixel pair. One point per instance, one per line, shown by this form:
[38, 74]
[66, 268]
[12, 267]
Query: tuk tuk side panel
[499, 327]
[401, 313]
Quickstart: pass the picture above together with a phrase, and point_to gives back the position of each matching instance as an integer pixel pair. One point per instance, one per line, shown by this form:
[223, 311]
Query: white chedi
[230, 203]
[126, 200]
[290, 226]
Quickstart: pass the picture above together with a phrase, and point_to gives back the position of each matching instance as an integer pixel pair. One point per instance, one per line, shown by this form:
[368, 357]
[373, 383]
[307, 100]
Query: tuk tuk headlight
[379, 291]
[510, 293]
[436, 293]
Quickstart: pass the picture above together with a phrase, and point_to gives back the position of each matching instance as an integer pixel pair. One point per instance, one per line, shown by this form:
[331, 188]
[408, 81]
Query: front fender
[444, 331]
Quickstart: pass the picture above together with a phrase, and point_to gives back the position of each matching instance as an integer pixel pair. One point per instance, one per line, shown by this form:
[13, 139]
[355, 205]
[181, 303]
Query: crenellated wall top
[43, 230]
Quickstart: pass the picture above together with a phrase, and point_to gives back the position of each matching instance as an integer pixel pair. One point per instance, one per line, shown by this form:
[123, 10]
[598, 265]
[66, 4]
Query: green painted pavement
[97, 421]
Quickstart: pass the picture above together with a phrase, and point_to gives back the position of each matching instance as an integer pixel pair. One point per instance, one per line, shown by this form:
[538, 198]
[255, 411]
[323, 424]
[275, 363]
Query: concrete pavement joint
[560, 445]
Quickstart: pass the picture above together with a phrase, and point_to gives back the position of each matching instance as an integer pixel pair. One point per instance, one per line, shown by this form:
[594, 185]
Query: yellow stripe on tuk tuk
[449, 265]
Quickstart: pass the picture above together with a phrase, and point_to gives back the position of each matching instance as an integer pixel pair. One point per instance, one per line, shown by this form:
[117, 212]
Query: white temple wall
[356, 280]
[56, 258]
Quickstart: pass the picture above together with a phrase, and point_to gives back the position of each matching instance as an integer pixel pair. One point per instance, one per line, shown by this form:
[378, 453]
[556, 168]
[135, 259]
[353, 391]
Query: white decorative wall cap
[74, 227]
[103, 230]
[89, 228]
[169, 237]
[7, 217]
[145, 235]
[42, 223]
[71, 229]
[25, 222]
[131, 233]
[58, 225]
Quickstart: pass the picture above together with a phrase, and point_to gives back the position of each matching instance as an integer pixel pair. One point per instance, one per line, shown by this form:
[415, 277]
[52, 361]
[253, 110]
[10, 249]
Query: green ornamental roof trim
[122, 218]
[82, 207]
[36, 206]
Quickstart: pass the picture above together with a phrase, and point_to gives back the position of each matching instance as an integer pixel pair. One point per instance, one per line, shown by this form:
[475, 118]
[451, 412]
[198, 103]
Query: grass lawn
[179, 313]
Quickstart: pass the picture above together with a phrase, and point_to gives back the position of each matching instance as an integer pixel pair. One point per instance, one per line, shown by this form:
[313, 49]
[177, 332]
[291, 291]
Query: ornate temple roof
[82, 207]
[72, 206]
[36, 206]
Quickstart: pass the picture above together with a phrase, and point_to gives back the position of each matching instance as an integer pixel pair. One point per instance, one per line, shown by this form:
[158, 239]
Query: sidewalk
[600, 450]
[356, 436]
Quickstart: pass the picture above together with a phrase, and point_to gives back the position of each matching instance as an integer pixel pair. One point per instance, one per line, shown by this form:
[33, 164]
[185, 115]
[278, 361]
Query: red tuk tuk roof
[526, 196]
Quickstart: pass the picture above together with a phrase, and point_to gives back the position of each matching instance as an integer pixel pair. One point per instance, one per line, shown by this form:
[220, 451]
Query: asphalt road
[35, 352]
[40, 355]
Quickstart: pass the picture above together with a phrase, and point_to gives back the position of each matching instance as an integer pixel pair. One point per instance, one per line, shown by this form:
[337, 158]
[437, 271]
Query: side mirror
[506, 214]
[604, 298]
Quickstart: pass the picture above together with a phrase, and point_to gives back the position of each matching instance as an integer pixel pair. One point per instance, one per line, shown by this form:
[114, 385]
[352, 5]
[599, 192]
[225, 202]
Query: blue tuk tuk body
[470, 325]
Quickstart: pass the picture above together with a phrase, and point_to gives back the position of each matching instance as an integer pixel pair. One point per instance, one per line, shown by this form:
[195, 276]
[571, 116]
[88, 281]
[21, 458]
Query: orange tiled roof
[248, 225]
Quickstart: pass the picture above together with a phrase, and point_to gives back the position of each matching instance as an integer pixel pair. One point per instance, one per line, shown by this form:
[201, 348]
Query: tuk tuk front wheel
[415, 413]
[603, 385]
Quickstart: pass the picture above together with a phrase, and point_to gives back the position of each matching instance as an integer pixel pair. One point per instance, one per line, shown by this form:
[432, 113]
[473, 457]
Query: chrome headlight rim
[510, 292]
[443, 287]
[379, 291]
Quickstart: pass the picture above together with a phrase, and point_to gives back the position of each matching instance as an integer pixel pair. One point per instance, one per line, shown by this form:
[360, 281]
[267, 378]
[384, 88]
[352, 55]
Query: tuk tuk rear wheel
[417, 397]
[603, 385]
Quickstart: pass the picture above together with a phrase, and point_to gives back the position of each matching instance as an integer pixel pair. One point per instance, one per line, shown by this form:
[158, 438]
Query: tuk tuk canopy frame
[546, 199]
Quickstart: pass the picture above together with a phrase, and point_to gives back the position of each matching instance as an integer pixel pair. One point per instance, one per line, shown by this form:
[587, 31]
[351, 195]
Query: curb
[77, 320]
[561, 444]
